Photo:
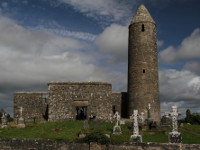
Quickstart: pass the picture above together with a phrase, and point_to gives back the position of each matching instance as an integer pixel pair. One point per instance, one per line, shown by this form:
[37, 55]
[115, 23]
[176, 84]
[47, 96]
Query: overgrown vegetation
[69, 131]
[95, 136]
[191, 118]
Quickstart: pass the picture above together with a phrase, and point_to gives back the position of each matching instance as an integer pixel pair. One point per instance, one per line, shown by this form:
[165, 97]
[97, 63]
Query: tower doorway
[81, 112]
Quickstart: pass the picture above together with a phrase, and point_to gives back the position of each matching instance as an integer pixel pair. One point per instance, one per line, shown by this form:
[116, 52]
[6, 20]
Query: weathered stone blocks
[143, 65]
[31, 102]
[66, 99]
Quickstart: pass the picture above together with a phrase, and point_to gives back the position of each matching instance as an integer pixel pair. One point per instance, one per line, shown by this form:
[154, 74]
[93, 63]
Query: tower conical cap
[142, 15]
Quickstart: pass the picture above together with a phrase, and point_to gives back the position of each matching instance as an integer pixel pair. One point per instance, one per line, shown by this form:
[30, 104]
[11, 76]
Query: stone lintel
[81, 103]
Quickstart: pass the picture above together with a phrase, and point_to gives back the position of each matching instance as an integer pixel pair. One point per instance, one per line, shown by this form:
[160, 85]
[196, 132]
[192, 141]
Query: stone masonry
[143, 65]
[116, 102]
[66, 97]
[32, 104]
[47, 144]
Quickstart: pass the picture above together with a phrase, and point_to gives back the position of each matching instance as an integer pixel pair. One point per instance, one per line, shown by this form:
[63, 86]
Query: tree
[192, 118]
[188, 118]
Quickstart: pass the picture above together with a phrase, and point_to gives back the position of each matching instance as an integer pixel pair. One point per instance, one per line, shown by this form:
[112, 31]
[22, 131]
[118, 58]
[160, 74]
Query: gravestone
[110, 118]
[85, 124]
[175, 136]
[135, 137]
[141, 120]
[165, 120]
[21, 123]
[117, 128]
[4, 120]
[122, 122]
[149, 120]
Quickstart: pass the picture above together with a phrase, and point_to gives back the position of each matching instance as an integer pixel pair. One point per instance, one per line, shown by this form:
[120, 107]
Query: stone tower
[143, 65]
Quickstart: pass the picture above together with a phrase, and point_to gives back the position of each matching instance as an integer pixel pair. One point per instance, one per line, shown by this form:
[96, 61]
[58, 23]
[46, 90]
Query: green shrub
[190, 118]
[95, 136]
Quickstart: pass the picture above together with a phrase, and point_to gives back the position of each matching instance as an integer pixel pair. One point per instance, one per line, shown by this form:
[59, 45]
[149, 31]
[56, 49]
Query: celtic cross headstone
[175, 136]
[135, 137]
[117, 128]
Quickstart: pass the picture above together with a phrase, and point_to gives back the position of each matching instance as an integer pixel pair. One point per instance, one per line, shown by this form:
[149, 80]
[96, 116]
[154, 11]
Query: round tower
[143, 65]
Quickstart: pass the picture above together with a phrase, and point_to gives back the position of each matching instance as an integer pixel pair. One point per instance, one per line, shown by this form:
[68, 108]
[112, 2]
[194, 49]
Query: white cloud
[110, 10]
[193, 66]
[32, 56]
[114, 40]
[179, 88]
[189, 49]
[60, 31]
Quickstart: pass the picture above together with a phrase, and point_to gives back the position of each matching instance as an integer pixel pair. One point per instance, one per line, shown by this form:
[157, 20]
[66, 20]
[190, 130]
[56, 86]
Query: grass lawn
[70, 129]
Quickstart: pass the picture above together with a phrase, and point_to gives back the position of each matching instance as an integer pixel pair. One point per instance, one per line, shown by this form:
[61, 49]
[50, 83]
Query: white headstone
[110, 118]
[4, 120]
[174, 114]
[21, 111]
[141, 118]
[117, 128]
[149, 111]
[175, 136]
[117, 118]
[134, 117]
[135, 137]
[20, 122]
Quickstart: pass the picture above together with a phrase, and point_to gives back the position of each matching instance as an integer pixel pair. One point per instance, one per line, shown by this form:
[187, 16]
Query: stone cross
[3, 115]
[134, 117]
[117, 117]
[175, 136]
[141, 118]
[4, 120]
[21, 111]
[117, 128]
[110, 118]
[148, 111]
[174, 114]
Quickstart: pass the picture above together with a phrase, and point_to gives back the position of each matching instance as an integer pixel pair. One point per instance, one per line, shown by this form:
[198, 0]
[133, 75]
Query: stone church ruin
[80, 100]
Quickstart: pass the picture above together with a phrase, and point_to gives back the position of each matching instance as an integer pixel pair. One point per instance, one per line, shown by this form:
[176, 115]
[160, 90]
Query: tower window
[143, 29]
[143, 70]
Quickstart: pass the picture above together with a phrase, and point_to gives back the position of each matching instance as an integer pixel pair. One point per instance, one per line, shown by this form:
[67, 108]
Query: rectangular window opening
[143, 29]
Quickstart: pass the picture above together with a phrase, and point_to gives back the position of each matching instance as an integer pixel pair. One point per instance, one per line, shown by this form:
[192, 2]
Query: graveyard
[69, 131]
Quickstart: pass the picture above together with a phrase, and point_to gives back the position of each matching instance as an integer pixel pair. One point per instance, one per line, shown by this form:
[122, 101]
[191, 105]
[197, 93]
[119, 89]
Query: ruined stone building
[78, 100]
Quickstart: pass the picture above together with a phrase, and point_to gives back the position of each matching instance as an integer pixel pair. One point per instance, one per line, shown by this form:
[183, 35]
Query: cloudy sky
[87, 40]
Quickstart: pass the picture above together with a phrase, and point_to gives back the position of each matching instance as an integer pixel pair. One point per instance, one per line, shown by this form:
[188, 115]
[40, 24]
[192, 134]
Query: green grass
[69, 130]
[51, 130]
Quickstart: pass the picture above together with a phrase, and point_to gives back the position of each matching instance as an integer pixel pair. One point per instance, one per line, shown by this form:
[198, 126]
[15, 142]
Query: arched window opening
[143, 70]
[143, 29]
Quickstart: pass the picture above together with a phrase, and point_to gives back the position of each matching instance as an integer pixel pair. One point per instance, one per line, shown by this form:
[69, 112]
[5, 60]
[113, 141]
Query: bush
[95, 136]
[190, 118]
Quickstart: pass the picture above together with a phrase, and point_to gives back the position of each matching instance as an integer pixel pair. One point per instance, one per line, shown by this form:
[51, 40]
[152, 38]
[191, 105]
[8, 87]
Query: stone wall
[116, 102]
[32, 104]
[65, 97]
[31, 144]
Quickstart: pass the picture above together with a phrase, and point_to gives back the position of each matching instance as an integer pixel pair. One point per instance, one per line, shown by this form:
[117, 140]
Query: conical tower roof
[142, 15]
